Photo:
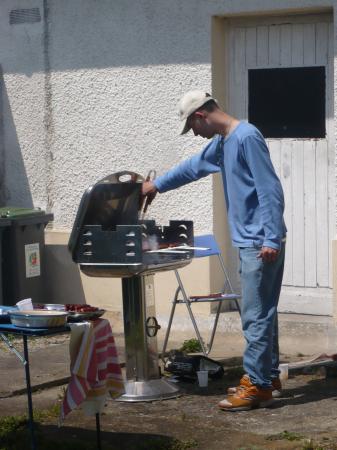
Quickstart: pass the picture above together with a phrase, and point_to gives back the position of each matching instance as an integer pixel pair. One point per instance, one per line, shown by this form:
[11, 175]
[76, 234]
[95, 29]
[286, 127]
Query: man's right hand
[149, 191]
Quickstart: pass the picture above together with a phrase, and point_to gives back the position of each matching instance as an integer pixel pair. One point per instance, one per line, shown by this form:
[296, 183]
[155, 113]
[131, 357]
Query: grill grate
[31, 15]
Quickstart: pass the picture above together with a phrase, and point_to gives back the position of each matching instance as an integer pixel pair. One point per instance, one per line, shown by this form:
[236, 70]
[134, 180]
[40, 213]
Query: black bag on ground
[187, 366]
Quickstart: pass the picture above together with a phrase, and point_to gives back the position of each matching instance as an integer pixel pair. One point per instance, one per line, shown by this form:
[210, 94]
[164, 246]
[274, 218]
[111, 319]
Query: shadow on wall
[14, 185]
[124, 33]
[63, 279]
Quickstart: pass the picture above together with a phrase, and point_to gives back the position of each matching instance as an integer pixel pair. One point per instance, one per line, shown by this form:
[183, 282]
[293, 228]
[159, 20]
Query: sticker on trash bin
[33, 267]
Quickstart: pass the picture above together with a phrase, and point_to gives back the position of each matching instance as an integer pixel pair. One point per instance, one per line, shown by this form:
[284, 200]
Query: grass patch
[10, 425]
[306, 444]
[191, 346]
[285, 435]
[310, 444]
[14, 433]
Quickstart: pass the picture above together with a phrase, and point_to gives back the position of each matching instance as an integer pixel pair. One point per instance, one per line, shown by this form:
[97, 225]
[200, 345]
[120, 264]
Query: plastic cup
[203, 378]
[24, 305]
[284, 371]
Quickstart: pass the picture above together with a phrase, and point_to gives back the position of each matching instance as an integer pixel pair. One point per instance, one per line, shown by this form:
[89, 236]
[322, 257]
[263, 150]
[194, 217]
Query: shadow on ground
[50, 437]
[112, 440]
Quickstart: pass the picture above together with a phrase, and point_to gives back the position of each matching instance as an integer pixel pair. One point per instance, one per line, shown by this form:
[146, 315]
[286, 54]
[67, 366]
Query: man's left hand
[268, 254]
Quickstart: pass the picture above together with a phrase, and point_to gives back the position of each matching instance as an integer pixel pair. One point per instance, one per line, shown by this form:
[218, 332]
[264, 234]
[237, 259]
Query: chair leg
[215, 325]
[188, 305]
[238, 306]
[227, 279]
[167, 334]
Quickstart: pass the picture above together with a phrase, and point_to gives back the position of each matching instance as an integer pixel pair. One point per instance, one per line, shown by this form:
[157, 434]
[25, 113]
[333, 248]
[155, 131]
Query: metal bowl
[38, 318]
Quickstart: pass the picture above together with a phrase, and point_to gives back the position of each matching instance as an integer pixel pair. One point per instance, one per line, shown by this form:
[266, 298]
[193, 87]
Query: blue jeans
[261, 285]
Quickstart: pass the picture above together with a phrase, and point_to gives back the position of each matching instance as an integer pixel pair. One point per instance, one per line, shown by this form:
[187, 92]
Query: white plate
[38, 318]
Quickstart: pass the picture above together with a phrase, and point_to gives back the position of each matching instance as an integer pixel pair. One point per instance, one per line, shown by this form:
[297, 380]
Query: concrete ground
[304, 418]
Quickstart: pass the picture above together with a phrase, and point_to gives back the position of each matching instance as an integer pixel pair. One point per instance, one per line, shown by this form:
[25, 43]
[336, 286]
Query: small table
[36, 332]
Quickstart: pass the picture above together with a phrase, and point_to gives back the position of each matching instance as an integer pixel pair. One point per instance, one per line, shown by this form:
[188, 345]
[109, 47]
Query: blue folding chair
[207, 246]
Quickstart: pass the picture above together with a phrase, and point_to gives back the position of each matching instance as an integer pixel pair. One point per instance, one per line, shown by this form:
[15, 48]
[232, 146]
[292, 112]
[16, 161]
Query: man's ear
[200, 114]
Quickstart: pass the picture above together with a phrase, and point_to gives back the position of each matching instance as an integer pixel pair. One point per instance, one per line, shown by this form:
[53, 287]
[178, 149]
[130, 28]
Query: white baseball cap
[189, 103]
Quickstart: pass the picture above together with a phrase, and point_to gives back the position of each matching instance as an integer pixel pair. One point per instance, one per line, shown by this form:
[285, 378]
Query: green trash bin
[23, 271]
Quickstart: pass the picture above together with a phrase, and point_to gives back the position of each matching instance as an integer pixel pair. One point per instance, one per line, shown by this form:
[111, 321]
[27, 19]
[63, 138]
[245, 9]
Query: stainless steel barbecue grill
[109, 240]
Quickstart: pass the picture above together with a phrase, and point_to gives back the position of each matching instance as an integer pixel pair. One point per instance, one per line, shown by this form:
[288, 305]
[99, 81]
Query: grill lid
[112, 201]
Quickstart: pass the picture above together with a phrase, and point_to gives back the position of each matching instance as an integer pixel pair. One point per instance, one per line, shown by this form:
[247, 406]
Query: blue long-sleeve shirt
[253, 192]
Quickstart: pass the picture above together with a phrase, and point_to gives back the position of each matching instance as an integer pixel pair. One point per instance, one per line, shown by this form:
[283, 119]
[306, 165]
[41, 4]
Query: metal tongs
[148, 198]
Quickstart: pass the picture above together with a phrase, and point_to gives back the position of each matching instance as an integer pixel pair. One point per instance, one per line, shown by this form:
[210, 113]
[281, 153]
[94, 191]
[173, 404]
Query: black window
[287, 103]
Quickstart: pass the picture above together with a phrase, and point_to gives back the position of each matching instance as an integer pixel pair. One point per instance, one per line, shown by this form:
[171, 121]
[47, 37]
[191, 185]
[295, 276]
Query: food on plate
[79, 312]
[39, 306]
[69, 307]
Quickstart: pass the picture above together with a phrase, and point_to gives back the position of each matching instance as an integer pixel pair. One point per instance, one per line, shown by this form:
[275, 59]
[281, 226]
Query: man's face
[201, 124]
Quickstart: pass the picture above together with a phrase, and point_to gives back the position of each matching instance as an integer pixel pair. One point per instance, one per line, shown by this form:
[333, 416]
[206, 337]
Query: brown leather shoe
[245, 381]
[247, 397]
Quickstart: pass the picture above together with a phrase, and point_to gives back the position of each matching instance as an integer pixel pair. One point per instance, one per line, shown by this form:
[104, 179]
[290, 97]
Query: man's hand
[149, 191]
[148, 188]
[268, 254]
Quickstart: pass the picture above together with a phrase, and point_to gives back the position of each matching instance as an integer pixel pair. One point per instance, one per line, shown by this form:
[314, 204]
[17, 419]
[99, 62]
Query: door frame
[220, 87]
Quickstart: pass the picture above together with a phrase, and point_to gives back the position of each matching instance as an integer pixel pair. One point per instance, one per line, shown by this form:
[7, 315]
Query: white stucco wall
[122, 74]
[92, 89]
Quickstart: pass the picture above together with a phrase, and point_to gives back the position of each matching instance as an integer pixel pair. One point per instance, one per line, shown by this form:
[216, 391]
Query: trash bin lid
[15, 212]
[24, 216]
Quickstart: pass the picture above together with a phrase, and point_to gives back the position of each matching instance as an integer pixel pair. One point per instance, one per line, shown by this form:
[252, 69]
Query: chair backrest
[207, 241]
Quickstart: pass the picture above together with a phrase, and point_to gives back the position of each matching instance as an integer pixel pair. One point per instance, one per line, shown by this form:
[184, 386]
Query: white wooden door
[305, 166]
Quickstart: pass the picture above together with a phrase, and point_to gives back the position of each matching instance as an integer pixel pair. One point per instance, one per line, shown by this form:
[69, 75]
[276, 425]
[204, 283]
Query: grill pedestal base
[141, 352]
[148, 391]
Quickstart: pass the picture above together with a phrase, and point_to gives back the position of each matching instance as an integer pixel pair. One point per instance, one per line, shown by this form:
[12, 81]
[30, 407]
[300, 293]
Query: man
[255, 205]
